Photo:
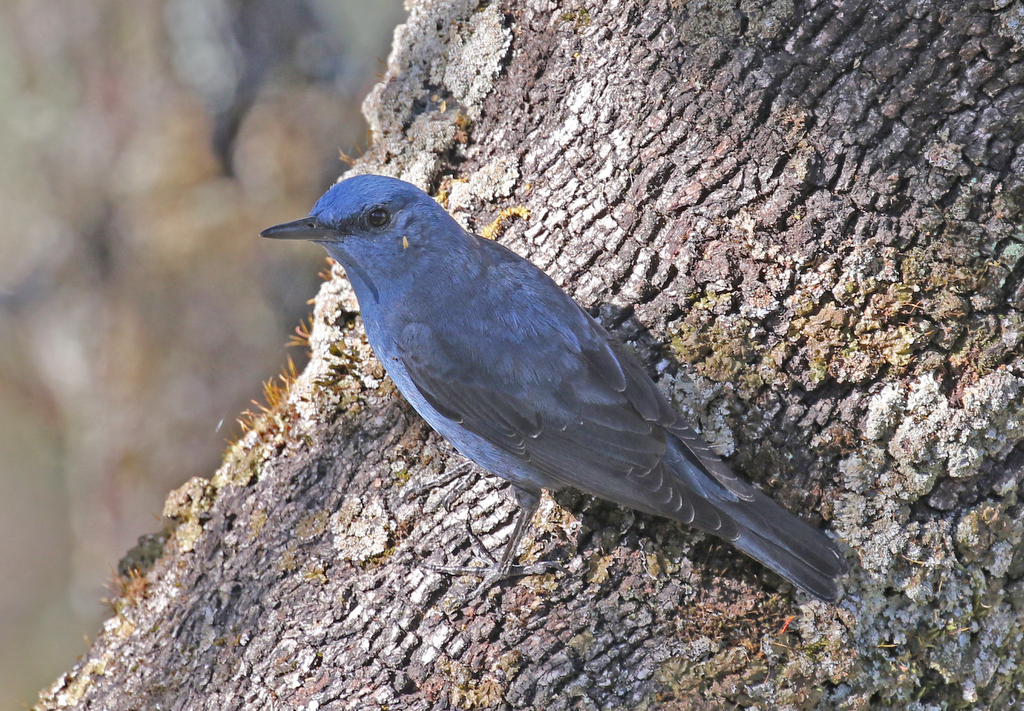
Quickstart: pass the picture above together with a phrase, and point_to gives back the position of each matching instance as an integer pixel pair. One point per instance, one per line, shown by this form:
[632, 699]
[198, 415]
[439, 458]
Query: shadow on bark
[815, 209]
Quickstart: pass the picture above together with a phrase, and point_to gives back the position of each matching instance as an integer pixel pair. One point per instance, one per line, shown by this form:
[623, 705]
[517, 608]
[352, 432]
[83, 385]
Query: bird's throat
[361, 282]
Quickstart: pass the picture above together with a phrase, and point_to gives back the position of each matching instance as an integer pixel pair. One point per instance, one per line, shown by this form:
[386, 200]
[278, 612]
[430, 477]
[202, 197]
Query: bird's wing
[541, 380]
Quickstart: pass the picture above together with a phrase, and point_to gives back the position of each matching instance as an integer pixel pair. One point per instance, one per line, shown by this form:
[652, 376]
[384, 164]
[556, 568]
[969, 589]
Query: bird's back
[501, 362]
[511, 370]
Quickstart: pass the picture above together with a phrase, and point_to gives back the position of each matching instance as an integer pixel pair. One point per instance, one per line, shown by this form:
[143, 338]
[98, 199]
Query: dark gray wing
[533, 374]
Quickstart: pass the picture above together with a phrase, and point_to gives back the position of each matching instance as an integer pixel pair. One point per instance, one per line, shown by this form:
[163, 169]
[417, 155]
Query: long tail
[738, 512]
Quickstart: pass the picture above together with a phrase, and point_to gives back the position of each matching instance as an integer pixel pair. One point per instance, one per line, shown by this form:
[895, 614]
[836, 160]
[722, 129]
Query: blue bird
[523, 382]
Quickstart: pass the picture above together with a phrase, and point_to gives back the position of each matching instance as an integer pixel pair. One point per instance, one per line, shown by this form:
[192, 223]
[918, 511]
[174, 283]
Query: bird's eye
[378, 217]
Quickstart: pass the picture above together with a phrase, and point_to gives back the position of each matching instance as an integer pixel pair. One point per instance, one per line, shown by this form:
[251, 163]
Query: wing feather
[553, 390]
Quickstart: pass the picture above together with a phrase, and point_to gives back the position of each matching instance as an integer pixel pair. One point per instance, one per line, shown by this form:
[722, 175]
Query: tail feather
[763, 529]
[792, 548]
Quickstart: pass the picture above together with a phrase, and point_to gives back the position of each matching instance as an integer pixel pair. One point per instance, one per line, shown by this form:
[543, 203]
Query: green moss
[581, 643]
[402, 475]
[186, 505]
[467, 691]
[256, 523]
[148, 549]
[579, 18]
[288, 562]
[314, 573]
[728, 674]
[312, 525]
[721, 349]
[242, 465]
[510, 663]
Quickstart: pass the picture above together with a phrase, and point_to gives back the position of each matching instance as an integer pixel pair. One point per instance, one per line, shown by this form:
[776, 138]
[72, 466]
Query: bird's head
[375, 226]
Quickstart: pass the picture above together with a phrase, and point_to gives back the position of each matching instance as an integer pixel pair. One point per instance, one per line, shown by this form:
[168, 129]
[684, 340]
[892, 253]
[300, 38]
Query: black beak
[307, 228]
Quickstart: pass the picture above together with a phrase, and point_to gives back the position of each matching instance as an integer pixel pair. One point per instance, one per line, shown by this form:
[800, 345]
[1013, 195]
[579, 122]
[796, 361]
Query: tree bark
[805, 217]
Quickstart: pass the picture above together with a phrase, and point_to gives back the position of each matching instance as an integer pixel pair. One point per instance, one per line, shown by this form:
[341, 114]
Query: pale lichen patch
[453, 47]
[70, 688]
[474, 59]
[496, 179]
[362, 530]
[187, 504]
[701, 401]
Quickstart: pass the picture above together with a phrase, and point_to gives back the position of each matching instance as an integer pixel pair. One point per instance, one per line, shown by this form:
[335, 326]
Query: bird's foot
[491, 575]
[494, 570]
[460, 472]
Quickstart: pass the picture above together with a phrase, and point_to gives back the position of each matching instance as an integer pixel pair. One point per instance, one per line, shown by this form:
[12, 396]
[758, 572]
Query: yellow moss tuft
[500, 224]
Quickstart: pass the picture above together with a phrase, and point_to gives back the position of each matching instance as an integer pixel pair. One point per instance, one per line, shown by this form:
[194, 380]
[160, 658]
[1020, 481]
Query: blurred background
[144, 145]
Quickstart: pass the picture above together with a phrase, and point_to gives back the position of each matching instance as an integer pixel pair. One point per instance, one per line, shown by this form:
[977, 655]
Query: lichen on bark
[805, 218]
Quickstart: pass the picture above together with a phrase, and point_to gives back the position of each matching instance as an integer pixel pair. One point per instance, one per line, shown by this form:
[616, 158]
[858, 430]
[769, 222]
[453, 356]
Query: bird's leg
[498, 570]
[452, 496]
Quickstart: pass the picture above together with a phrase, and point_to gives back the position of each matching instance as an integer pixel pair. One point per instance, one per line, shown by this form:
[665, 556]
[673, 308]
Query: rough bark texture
[805, 217]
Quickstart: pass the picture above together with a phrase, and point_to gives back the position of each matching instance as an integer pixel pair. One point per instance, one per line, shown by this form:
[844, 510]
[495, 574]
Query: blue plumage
[503, 364]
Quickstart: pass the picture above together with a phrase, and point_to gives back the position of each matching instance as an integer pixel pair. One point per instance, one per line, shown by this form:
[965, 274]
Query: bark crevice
[805, 219]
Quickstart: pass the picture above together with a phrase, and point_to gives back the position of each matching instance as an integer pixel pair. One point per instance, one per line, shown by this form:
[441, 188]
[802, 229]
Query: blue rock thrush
[523, 382]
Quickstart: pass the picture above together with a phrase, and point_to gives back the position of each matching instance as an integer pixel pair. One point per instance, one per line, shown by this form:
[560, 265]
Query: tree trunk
[805, 218]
